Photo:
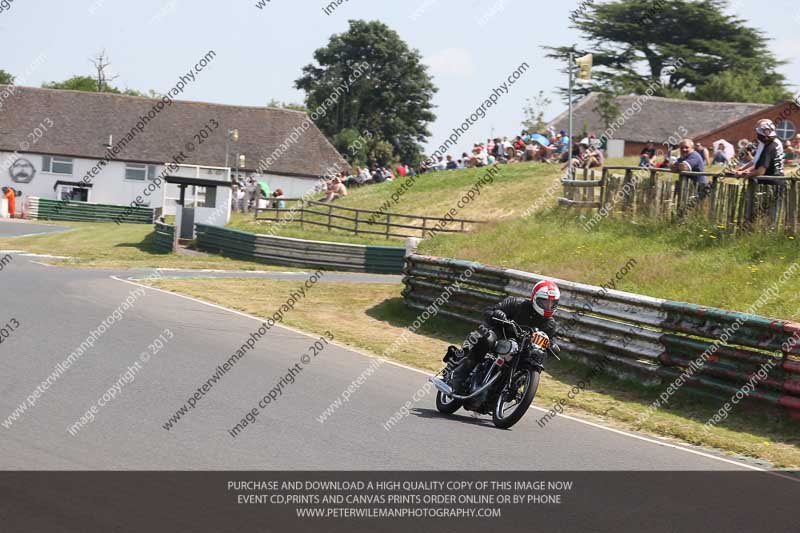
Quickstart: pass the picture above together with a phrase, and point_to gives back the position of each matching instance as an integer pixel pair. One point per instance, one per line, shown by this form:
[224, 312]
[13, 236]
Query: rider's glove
[500, 315]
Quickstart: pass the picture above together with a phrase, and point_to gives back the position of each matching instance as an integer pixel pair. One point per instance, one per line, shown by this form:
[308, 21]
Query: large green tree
[392, 98]
[681, 48]
[6, 78]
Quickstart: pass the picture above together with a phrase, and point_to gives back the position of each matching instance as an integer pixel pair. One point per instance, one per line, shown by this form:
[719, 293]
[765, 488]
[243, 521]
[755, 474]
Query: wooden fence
[766, 203]
[651, 340]
[360, 221]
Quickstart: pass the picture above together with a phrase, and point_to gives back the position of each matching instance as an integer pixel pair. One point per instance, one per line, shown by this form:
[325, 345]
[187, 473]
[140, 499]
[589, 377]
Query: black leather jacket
[521, 311]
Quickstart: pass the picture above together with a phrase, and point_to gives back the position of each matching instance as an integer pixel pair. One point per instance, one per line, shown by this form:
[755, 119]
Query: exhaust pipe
[444, 388]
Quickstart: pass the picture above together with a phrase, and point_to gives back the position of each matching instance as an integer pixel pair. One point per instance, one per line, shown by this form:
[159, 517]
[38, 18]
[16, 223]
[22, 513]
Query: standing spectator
[703, 151]
[252, 193]
[690, 161]
[241, 199]
[277, 199]
[10, 195]
[769, 157]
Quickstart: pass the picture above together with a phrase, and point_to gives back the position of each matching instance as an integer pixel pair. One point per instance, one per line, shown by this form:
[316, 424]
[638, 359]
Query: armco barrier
[299, 253]
[164, 237]
[651, 339]
[44, 209]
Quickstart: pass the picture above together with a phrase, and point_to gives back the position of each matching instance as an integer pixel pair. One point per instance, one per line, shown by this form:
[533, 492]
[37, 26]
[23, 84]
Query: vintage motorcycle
[505, 382]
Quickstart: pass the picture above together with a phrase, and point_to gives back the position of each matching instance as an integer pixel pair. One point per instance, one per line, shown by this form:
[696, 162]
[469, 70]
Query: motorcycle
[505, 382]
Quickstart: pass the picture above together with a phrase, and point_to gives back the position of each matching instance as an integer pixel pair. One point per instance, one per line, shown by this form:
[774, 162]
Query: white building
[112, 149]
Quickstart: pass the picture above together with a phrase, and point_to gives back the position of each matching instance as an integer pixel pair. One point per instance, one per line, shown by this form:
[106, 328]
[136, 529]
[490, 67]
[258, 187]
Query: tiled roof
[83, 122]
[659, 118]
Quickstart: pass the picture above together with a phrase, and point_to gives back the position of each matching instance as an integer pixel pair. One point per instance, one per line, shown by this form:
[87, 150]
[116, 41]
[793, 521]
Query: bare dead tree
[100, 64]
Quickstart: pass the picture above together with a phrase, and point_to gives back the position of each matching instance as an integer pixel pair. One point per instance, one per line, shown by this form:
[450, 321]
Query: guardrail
[164, 238]
[45, 209]
[300, 253]
[766, 202]
[649, 339]
[362, 221]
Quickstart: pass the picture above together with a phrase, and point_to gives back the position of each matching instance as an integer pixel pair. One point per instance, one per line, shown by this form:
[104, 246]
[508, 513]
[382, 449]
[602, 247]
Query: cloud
[451, 62]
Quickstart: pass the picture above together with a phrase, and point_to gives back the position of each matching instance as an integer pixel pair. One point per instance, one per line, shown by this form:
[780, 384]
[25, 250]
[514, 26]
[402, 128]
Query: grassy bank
[370, 317]
[680, 262]
[507, 193]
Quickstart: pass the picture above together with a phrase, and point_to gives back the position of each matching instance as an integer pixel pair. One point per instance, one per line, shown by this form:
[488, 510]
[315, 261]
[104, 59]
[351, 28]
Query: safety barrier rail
[164, 239]
[649, 339]
[45, 209]
[300, 253]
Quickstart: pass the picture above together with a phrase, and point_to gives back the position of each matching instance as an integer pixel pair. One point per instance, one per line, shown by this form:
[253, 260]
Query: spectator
[720, 155]
[440, 164]
[648, 155]
[401, 171]
[594, 156]
[703, 151]
[690, 160]
[451, 165]
[241, 198]
[277, 199]
[792, 153]
[10, 194]
[769, 157]
[252, 193]
[336, 190]
[377, 174]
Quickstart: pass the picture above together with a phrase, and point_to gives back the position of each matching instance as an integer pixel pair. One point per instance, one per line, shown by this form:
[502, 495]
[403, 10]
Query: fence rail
[300, 253]
[766, 203]
[45, 209]
[650, 339]
[360, 221]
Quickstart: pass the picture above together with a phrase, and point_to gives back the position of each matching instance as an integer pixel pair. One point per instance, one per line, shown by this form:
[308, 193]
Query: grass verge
[351, 313]
[108, 245]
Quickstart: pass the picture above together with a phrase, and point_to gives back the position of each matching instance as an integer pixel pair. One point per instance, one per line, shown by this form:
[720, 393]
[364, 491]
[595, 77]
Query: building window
[786, 130]
[135, 171]
[56, 165]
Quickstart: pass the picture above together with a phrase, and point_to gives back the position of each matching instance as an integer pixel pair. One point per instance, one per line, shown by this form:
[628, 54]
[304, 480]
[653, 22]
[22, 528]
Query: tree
[6, 78]
[534, 111]
[732, 86]
[673, 47]
[384, 89]
[99, 83]
[287, 105]
[101, 63]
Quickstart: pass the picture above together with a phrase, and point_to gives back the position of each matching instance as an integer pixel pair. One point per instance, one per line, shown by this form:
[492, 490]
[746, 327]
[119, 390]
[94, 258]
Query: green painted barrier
[300, 253]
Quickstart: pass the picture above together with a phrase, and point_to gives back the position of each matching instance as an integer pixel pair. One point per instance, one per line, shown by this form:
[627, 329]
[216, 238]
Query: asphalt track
[58, 307]
[20, 229]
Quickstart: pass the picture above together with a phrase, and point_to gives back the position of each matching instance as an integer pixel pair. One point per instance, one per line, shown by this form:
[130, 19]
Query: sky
[470, 46]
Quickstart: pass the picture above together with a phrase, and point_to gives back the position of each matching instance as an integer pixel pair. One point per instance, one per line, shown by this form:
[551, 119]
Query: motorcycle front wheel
[445, 404]
[509, 411]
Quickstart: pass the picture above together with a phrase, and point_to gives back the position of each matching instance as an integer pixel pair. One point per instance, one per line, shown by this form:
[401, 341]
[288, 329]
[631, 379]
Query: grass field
[108, 245]
[369, 317]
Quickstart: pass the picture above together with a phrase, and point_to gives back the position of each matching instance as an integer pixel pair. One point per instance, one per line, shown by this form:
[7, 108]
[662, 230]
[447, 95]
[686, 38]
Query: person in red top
[8, 194]
[401, 170]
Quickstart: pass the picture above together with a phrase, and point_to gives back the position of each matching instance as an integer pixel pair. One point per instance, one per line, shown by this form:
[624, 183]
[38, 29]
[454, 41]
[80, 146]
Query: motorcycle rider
[534, 312]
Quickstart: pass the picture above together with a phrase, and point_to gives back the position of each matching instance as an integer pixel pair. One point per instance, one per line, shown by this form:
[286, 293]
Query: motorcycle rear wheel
[445, 404]
[525, 390]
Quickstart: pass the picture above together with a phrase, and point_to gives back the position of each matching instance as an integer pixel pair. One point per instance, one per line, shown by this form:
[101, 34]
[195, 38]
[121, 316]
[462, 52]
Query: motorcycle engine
[475, 381]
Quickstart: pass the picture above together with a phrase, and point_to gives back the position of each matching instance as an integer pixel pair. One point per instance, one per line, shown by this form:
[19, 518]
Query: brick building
[786, 117]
